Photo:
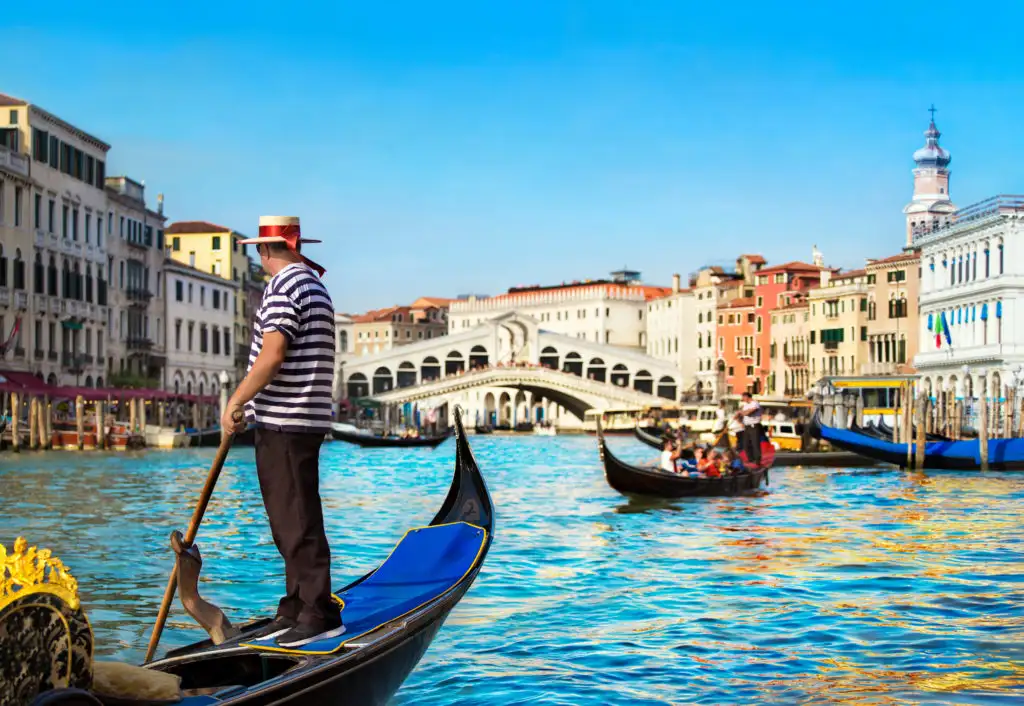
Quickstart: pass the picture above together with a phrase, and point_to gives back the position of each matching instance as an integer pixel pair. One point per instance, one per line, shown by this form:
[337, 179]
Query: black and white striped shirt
[298, 399]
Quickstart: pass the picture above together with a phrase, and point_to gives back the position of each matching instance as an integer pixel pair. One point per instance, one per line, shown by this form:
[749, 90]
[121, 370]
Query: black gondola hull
[369, 666]
[634, 480]
[370, 441]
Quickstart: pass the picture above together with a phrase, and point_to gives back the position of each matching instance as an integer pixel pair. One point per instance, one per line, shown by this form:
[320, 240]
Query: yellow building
[215, 249]
[839, 331]
[892, 313]
[791, 337]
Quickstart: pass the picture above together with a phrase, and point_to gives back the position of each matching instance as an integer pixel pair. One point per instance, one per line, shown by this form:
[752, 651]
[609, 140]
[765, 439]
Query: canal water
[832, 586]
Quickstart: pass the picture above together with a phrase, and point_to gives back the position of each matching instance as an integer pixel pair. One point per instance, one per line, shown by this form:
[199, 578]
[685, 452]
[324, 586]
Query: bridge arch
[667, 387]
[357, 385]
[549, 357]
[382, 380]
[619, 376]
[490, 409]
[596, 369]
[430, 369]
[504, 409]
[454, 363]
[573, 363]
[478, 357]
[643, 381]
[406, 375]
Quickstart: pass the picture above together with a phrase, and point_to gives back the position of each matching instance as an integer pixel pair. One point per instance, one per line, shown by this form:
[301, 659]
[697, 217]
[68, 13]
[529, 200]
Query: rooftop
[740, 303]
[195, 227]
[10, 101]
[902, 257]
[649, 292]
[795, 266]
[852, 274]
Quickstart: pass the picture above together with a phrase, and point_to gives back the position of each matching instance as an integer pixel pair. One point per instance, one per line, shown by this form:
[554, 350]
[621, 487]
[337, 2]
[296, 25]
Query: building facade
[839, 319]
[612, 312]
[200, 324]
[216, 249]
[773, 287]
[671, 323]
[892, 314]
[790, 347]
[137, 344]
[737, 350]
[54, 230]
[973, 282]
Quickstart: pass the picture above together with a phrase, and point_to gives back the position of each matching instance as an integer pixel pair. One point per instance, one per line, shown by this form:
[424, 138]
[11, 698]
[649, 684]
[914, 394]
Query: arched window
[51, 277]
[19, 270]
[3, 267]
[38, 275]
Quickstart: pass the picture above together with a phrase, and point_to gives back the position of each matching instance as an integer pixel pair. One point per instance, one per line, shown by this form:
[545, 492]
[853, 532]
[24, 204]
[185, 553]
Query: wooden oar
[190, 536]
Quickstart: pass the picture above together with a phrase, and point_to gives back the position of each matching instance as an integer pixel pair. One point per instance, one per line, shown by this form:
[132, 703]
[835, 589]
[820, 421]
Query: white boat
[544, 431]
[165, 437]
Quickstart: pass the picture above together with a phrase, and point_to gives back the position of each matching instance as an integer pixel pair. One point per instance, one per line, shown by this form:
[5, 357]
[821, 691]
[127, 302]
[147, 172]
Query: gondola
[634, 480]
[372, 441]
[655, 442]
[1003, 454]
[883, 431]
[391, 616]
[205, 437]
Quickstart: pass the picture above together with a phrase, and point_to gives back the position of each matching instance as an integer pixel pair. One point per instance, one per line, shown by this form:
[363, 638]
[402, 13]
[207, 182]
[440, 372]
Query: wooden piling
[33, 421]
[80, 421]
[131, 416]
[908, 424]
[45, 436]
[922, 409]
[101, 424]
[983, 427]
[15, 421]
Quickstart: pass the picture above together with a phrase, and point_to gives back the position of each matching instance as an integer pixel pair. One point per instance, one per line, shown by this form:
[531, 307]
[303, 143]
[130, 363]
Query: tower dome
[931, 155]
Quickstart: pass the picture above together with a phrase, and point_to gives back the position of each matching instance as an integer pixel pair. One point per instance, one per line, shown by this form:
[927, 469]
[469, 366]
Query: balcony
[51, 356]
[795, 360]
[5, 296]
[138, 344]
[40, 238]
[14, 162]
[37, 354]
[138, 296]
[19, 352]
[831, 346]
[21, 300]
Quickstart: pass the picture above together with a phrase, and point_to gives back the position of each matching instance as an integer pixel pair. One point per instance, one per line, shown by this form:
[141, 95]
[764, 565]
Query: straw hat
[279, 229]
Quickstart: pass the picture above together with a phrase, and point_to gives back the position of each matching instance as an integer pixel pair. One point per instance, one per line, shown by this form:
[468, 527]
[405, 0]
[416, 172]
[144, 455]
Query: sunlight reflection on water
[829, 586]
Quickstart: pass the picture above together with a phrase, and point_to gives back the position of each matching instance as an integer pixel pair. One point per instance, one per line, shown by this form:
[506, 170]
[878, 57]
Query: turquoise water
[865, 586]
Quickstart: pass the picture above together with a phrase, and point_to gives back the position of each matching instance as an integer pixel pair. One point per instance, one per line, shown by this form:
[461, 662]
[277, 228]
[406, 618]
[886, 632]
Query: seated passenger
[708, 466]
[668, 457]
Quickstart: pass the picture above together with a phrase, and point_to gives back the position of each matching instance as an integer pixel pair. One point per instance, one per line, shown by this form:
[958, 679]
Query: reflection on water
[864, 586]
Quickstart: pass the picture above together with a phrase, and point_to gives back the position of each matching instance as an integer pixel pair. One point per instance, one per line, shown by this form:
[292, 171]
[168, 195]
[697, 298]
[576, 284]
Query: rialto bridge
[508, 370]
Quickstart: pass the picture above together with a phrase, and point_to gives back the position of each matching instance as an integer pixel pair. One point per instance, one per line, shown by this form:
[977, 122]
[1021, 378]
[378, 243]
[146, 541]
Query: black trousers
[288, 466]
[751, 443]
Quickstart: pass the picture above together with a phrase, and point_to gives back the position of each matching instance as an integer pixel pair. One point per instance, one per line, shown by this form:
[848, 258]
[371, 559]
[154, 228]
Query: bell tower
[930, 208]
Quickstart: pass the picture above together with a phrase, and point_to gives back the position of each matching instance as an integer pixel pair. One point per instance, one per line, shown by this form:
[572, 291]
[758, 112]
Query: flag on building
[941, 330]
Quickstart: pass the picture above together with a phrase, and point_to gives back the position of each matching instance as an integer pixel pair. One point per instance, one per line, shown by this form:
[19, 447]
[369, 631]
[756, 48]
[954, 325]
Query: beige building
[383, 329]
[839, 324]
[136, 352]
[215, 249]
[671, 322]
[790, 347]
[895, 284]
[54, 231]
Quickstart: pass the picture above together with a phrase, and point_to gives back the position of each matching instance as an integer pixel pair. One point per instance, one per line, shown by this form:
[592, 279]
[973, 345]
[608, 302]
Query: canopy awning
[23, 383]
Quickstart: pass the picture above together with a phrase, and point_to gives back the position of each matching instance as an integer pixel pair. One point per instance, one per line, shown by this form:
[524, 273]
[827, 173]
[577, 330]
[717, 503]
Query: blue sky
[449, 147]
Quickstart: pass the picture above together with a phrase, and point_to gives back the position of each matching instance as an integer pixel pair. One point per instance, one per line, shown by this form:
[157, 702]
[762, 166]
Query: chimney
[160, 204]
[826, 276]
[675, 284]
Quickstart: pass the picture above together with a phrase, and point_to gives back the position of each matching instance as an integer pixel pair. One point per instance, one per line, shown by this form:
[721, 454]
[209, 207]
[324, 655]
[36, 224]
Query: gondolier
[286, 395]
[750, 441]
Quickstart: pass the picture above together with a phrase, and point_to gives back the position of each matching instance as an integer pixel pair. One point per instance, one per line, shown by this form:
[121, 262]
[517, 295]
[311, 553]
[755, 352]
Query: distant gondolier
[286, 394]
[750, 415]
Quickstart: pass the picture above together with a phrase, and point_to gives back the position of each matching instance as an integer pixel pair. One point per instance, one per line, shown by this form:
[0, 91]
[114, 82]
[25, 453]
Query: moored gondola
[391, 616]
[373, 441]
[655, 441]
[204, 438]
[1003, 454]
[635, 480]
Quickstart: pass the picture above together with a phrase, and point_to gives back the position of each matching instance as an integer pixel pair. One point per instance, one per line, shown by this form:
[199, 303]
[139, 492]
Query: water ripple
[866, 586]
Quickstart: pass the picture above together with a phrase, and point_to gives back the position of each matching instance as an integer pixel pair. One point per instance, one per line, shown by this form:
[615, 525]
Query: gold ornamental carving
[30, 570]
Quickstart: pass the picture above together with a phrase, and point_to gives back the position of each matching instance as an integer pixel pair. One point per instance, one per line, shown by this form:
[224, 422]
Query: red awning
[23, 383]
